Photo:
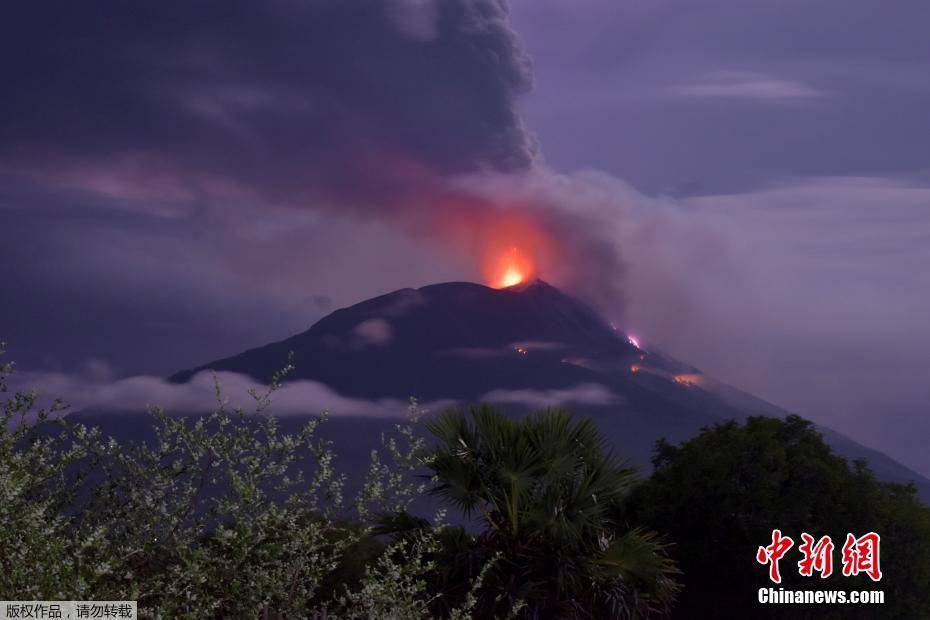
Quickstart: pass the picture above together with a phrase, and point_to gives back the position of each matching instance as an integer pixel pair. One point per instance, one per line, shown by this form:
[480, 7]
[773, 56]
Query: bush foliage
[226, 515]
[720, 495]
[221, 516]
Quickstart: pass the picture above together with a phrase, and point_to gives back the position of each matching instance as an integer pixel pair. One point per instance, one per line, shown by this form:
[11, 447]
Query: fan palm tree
[547, 492]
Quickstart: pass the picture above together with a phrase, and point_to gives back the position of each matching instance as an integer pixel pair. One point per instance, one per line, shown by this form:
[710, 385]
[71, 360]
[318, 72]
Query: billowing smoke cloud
[170, 165]
[332, 104]
[235, 120]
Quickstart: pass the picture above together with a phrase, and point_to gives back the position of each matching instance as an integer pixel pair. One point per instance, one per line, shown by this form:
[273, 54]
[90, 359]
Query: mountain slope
[446, 340]
[525, 347]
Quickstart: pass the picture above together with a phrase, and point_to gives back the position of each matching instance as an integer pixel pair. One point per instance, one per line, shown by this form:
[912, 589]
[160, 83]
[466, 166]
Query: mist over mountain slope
[523, 347]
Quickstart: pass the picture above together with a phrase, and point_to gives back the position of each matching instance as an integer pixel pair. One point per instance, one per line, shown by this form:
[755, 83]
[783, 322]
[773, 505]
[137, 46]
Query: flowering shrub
[226, 515]
[222, 515]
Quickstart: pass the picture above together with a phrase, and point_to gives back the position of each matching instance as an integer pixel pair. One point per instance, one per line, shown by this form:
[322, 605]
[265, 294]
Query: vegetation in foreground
[225, 515]
[720, 495]
[547, 493]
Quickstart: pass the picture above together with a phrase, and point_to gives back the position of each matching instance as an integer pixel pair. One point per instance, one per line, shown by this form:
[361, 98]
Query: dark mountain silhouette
[525, 346]
[456, 340]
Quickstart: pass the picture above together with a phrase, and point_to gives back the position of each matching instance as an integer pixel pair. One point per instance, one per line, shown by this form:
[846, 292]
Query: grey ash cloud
[290, 100]
[161, 160]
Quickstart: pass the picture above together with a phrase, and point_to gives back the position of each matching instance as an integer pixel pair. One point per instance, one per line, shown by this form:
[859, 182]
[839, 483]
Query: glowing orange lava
[512, 248]
[511, 277]
[509, 268]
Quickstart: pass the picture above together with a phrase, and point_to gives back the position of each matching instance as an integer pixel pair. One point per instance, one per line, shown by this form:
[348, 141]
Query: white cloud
[375, 332]
[136, 394]
[584, 394]
[743, 85]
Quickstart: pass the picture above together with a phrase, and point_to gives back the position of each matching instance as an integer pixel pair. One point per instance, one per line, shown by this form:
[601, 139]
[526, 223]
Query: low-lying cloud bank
[138, 393]
[584, 394]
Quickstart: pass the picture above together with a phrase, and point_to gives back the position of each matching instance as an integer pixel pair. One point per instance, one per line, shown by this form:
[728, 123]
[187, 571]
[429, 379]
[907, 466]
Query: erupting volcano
[521, 343]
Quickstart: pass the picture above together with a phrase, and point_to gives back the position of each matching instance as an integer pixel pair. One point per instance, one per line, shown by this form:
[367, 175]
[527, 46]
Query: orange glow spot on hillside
[688, 379]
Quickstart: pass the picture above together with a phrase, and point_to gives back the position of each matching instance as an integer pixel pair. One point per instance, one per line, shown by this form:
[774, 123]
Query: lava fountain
[514, 249]
[510, 268]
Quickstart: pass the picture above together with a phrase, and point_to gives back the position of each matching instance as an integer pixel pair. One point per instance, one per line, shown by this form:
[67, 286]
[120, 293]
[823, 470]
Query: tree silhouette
[719, 496]
[546, 492]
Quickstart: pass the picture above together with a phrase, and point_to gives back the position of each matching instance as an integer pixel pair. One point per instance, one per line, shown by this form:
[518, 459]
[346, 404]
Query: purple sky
[746, 185]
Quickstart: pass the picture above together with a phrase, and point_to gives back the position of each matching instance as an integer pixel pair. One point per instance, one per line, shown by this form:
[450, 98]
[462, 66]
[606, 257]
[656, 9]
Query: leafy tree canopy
[546, 491]
[720, 495]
